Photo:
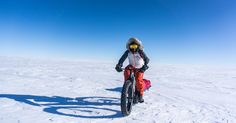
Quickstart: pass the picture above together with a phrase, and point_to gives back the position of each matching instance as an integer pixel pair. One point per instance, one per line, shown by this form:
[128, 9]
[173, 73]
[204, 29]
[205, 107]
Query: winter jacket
[137, 59]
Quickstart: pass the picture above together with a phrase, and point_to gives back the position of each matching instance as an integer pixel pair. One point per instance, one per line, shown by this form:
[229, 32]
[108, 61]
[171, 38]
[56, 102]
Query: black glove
[118, 68]
[144, 68]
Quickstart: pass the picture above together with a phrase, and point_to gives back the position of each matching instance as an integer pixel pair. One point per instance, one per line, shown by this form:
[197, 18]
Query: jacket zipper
[134, 61]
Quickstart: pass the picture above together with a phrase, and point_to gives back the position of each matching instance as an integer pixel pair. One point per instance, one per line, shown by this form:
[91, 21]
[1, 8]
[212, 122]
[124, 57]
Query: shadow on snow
[54, 105]
[117, 89]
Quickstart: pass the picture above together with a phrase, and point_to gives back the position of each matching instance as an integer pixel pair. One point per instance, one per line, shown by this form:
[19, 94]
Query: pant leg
[127, 72]
[139, 82]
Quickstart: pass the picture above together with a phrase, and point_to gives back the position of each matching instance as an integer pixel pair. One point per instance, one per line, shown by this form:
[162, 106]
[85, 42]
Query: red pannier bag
[147, 84]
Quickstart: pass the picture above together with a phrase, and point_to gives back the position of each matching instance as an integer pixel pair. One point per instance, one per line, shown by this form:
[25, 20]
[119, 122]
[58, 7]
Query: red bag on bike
[147, 84]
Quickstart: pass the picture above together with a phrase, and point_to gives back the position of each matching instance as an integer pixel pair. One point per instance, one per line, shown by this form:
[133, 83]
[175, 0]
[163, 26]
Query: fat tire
[126, 107]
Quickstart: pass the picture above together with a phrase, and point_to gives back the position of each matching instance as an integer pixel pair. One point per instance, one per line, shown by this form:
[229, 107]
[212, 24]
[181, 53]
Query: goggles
[133, 46]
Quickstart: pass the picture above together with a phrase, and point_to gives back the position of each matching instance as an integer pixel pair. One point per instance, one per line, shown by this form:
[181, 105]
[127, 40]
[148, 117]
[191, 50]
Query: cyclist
[137, 62]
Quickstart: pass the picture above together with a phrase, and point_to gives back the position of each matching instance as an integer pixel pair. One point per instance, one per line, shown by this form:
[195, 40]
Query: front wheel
[126, 98]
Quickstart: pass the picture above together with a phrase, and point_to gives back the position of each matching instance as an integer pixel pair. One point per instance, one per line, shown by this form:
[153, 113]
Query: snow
[51, 91]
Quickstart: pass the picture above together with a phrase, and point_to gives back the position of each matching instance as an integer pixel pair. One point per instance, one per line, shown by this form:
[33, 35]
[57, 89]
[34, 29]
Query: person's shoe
[141, 100]
[136, 98]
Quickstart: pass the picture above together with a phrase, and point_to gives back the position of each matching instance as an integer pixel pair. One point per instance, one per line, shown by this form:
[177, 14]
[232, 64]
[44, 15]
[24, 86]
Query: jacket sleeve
[123, 57]
[145, 58]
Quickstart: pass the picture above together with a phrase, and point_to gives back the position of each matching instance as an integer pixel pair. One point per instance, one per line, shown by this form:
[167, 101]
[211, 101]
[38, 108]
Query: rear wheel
[126, 98]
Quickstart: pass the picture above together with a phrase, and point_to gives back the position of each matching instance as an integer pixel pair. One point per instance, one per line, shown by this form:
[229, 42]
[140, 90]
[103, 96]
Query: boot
[136, 98]
[141, 100]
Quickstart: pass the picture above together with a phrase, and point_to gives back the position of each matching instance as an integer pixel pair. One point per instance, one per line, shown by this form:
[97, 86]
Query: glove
[144, 68]
[118, 68]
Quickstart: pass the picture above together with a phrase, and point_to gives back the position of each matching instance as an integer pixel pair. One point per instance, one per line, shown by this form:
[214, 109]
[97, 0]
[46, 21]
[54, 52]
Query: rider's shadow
[79, 106]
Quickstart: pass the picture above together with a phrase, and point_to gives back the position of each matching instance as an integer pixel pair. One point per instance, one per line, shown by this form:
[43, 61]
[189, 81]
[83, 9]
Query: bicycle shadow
[80, 105]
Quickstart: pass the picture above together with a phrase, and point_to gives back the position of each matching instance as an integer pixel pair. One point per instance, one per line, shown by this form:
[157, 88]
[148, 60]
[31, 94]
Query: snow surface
[47, 91]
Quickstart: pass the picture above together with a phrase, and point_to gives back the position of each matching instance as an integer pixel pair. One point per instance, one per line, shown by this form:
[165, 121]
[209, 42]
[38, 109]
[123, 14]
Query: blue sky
[172, 31]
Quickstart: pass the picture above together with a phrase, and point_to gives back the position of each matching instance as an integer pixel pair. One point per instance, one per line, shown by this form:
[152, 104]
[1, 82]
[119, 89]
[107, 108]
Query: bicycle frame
[132, 79]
